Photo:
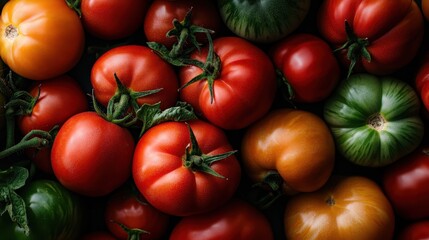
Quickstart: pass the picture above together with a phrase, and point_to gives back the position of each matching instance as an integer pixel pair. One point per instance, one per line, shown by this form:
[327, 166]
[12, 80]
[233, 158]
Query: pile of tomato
[202, 119]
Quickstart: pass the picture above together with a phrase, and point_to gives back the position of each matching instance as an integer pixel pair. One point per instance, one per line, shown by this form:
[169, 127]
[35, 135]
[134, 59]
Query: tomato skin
[405, 183]
[351, 207]
[168, 185]
[127, 208]
[284, 141]
[425, 9]
[161, 13]
[415, 231]
[112, 20]
[244, 89]
[225, 223]
[309, 66]
[422, 80]
[139, 69]
[394, 30]
[92, 156]
[41, 36]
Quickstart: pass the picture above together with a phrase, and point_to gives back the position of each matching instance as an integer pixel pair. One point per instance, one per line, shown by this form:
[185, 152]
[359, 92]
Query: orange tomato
[296, 144]
[40, 39]
[351, 207]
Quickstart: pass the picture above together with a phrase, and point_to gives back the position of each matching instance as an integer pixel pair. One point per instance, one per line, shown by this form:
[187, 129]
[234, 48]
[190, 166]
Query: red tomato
[422, 80]
[243, 83]
[171, 178]
[125, 207]
[40, 39]
[139, 69]
[161, 13]
[111, 20]
[235, 220]
[415, 231]
[308, 65]
[98, 236]
[59, 99]
[92, 156]
[391, 32]
[405, 183]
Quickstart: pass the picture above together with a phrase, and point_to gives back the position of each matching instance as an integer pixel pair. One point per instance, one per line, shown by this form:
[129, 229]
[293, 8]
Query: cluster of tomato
[192, 119]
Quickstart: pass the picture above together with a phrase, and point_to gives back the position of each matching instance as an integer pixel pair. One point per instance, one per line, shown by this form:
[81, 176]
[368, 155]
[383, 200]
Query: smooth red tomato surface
[235, 220]
[308, 65]
[166, 183]
[243, 89]
[422, 80]
[139, 69]
[406, 184]
[92, 156]
[134, 212]
[161, 13]
[111, 20]
[393, 30]
[98, 236]
[415, 231]
[40, 39]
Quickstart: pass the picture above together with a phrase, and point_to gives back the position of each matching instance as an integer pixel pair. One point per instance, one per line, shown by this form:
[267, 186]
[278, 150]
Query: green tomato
[374, 120]
[263, 21]
[53, 213]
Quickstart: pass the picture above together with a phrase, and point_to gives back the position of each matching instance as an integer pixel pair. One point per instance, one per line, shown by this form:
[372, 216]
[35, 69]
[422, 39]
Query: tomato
[308, 66]
[374, 120]
[98, 235]
[161, 13]
[415, 231]
[293, 144]
[235, 220]
[425, 9]
[139, 69]
[181, 177]
[237, 88]
[405, 183]
[383, 36]
[263, 22]
[421, 80]
[92, 156]
[127, 208]
[53, 213]
[112, 20]
[35, 42]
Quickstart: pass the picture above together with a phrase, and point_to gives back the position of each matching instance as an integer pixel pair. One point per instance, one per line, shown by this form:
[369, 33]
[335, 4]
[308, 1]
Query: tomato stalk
[272, 188]
[75, 5]
[133, 233]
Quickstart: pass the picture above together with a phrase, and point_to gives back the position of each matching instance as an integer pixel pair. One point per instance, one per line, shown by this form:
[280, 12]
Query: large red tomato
[40, 39]
[308, 66]
[415, 231]
[382, 36]
[238, 87]
[180, 176]
[92, 156]
[406, 184]
[422, 81]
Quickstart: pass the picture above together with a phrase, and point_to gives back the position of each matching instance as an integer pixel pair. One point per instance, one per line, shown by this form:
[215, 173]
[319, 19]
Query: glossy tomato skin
[405, 183]
[415, 231]
[296, 144]
[112, 20]
[160, 175]
[422, 80]
[235, 220]
[92, 156]
[308, 65]
[139, 69]
[243, 90]
[33, 37]
[161, 13]
[351, 207]
[98, 235]
[128, 208]
[394, 30]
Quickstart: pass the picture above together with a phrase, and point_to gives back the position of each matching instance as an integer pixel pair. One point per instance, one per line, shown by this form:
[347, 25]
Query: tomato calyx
[355, 46]
[133, 233]
[196, 160]
[75, 5]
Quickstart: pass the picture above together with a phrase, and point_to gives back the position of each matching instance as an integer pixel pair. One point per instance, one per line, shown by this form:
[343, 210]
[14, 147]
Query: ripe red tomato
[161, 13]
[243, 84]
[139, 69]
[422, 80]
[415, 231]
[235, 220]
[308, 65]
[112, 20]
[175, 179]
[405, 184]
[384, 35]
[131, 210]
[92, 156]
[40, 39]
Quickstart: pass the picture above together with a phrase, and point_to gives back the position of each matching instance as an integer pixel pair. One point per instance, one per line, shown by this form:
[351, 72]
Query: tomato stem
[133, 233]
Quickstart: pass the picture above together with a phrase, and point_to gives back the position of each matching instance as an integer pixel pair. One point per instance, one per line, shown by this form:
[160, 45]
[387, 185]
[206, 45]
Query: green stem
[25, 143]
[75, 5]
